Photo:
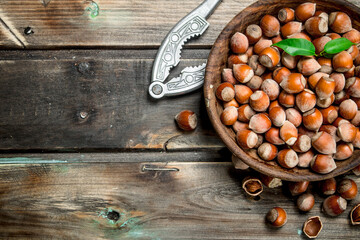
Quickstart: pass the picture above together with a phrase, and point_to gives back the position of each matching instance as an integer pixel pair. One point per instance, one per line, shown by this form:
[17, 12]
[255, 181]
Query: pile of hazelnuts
[300, 110]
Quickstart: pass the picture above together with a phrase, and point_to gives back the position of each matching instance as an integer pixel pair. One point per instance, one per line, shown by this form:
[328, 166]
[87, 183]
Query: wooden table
[87, 154]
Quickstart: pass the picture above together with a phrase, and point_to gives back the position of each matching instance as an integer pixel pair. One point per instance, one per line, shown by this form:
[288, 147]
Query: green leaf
[297, 46]
[338, 45]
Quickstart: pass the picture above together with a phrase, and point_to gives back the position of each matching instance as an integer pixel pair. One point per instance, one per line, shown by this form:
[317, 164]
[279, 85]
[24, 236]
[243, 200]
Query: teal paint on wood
[25, 160]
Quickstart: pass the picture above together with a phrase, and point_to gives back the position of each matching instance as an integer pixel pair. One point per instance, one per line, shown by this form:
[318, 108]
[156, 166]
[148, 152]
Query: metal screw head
[28, 31]
[83, 114]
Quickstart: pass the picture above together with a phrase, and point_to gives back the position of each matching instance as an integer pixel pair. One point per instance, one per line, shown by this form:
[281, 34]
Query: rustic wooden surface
[67, 177]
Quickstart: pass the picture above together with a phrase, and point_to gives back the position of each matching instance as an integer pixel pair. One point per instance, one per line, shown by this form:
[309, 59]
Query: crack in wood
[12, 33]
[45, 2]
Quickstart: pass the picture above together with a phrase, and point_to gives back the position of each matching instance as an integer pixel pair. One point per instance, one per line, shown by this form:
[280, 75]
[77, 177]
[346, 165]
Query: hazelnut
[305, 11]
[266, 76]
[339, 79]
[348, 109]
[329, 114]
[273, 136]
[333, 36]
[312, 227]
[357, 101]
[276, 217]
[277, 116]
[229, 116]
[260, 123]
[350, 73]
[326, 65]
[313, 119]
[246, 138]
[356, 142]
[291, 28]
[334, 205]
[300, 35]
[293, 116]
[320, 43]
[308, 66]
[342, 62]
[270, 26]
[252, 186]
[186, 120]
[233, 103]
[253, 32]
[340, 22]
[306, 100]
[305, 159]
[267, 151]
[352, 87]
[340, 97]
[261, 45]
[259, 101]
[356, 120]
[260, 141]
[255, 83]
[302, 144]
[330, 129]
[242, 93]
[250, 51]
[356, 170]
[294, 83]
[353, 35]
[274, 104]
[237, 59]
[287, 158]
[325, 103]
[269, 57]
[225, 92]
[339, 121]
[314, 79]
[270, 182]
[277, 39]
[288, 133]
[245, 113]
[237, 126]
[324, 143]
[271, 88]
[322, 14]
[239, 43]
[289, 61]
[343, 151]
[227, 76]
[347, 189]
[323, 164]
[355, 215]
[347, 132]
[238, 163]
[328, 187]
[325, 87]
[280, 74]
[297, 188]
[242, 72]
[316, 26]
[305, 202]
[256, 66]
[286, 15]
[286, 99]
[353, 51]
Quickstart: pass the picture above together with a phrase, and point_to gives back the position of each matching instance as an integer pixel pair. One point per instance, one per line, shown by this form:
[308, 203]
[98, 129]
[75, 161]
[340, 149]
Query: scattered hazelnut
[342, 62]
[313, 119]
[294, 83]
[269, 57]
[314, 79]
[340, 97]
[239, 43]
[186, 120]
[324, 143]
[305, 202]
[325, 87]
[253, 32]
[252, 186]
[242, 93]
[354, 52]
[288, 133]
[329, 114]
[302, 144]
[356, 120]
[267, 151]
[237, 126]
[289, 61]
[246, 138]
[323, 164]
[274, 104]
[326, 102]
[225, 92]
[306, 100]
[356, 142]
[355, 215]
[348, 109]
[280, 74]
[334, 205]
[229, 116]
[326, 65]
[308, 66]
[227, 76]
[293, 116]
[328, 187]
[352, 87]
[330, 129]
[286, 15]
[305, 11]
[255, 83]
[300, 35]
[340, 22]
[312, 227]
[333, 36]
[256, 66]
[273, 136]
[316, 26]
[286, 99]
[297, 188]
[353, 35]
[339, 79]
[245, 112]
[343, 151]
[287, 158]
[276, 217]
[291, 28]
[347, 132]
[305, 159]
[259, 101]
[233, 103]
[242, 72]
[347, 189]
[237, 59]
[277, 116]
[238, 163]
[270, 26]
[271, 88]
[270, 182]
[261, 45]
[260, 123]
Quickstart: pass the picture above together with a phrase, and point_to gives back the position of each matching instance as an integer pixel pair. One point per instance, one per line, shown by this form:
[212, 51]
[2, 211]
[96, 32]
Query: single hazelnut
[327, 187]
[245, 112]
[237, 126]
[316, 26]
[330, 129]
[252, 186]
[326, 102]
[260, 123]
[325, 87]
[293, 116]
[339, 121]
[313, 119]
[356, 120]
[286, 15]
[256, 66]
[286, 99]
[270, 182]
[340, 22]
[246, 138]
[323, 164]
[305, 159]
[294, 83]
[343, 151]
[352, 87]
[269, 57]
[350, 73]
[276, 217]
[339, 79]
[302, 144]
[242, 93]
[273, 136]
[342, 62]
[347, 189]
[347, 132]
[259, 101]
[242, 72]
[233, 103]
[314, 79]
[237, 59]
[280, 74]
[255, 83]
[267, 151]
[355, 215]
[228, 76]
[225, 92]
[305, 11]
[238, 163]
[253, 32]
[340, 97]
[306, 100]
[334, 205]
[271, 88]
[287, 158]
[324, 143]
[229, 116]
[353, 35]
[186, 120]
[312, 227]
[277, 116]
[333, 36]
[308, 66]
[305, 202]
[297, 188]
[270, 26]
[274, 104]
[261, 45]
[320, 43]
[326, 65]
[353, 51]
[288, 133]
[300, 35]
[329, 114]
[291, 28]
[348, 109]
[239, 43]
[289, 61]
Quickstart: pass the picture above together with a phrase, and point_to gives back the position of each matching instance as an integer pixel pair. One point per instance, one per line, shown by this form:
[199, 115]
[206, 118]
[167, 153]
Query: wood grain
[200, 200]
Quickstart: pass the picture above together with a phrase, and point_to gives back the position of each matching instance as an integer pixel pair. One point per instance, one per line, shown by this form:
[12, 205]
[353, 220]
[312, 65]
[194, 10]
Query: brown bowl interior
[217, 61]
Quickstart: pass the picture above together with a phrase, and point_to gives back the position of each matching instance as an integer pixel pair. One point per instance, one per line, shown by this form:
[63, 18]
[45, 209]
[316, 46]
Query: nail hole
[83, 114]
[83, 67]
[28, 31]
[113, 215]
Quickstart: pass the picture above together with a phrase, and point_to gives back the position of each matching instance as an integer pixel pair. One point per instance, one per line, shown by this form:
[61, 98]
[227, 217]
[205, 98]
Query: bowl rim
[213, 70]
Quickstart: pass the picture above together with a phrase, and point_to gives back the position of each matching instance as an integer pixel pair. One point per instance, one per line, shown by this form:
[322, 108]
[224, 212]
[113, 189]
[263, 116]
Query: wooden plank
[94, 100]
[122, 201]
[8, 39]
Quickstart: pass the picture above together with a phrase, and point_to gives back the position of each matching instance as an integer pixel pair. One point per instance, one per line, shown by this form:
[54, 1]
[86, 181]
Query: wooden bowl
[217, 61]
